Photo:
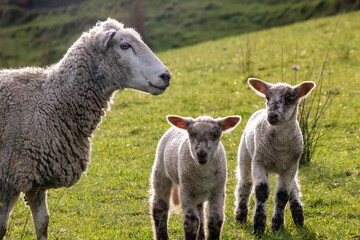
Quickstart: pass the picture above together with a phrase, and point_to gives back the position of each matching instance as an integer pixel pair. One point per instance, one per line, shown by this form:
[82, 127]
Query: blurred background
[38, 32]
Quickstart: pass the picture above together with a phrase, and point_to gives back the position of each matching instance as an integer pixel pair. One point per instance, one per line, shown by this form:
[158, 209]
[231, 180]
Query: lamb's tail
[175, 199]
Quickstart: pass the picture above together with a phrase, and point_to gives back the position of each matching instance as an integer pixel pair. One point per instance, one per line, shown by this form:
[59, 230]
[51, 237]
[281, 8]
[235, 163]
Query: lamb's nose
[272, 118]
[165, 77]
[202, 155]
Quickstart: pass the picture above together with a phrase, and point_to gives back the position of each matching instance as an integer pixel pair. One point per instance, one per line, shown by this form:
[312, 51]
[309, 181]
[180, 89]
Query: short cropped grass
[111, 201]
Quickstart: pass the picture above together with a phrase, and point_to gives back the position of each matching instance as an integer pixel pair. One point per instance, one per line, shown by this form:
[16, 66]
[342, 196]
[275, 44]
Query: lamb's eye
[214, 136]
[288, 99]
[125, 46]
[193, 135]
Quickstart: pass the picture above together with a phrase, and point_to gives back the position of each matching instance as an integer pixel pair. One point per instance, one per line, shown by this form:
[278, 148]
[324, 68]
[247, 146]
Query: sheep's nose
[165, 77]
[202, 157]
[272, 118]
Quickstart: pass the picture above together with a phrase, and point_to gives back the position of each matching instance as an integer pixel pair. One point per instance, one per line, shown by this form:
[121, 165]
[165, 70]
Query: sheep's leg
[216, 215]
[39, 210]
[201, 231]
[296, 207]
[191, 216]
[262, 191]
[282, 194]
[7, 203]
[244, 187]
[160, 207]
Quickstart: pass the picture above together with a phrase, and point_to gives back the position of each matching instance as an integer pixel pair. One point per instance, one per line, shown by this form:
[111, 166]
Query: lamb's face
[282, 99]
[138, 67]
[204, 134]
[204, 139]
[281, 104]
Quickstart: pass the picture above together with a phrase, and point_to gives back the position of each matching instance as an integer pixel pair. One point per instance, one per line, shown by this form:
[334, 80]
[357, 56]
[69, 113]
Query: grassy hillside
[38, 32]
[111, 201]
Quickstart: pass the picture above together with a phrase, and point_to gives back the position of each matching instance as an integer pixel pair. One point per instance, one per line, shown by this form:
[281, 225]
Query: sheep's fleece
[47, 115]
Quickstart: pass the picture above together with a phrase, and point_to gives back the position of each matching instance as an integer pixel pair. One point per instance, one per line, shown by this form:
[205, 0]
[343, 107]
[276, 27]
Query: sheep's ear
[303, 89]
[106, 38]
[179, 122]
[228, 124]
[259, 86]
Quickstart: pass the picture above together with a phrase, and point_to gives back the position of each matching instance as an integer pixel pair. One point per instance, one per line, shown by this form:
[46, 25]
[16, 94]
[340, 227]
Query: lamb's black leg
[262, 192]
[281, 198]
[201, 231]
[296, 207]
[159, 212]
[191, 226]
[244, 192]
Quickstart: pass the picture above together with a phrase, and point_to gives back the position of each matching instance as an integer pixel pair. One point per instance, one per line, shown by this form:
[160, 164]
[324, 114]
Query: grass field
[40, 33]
[111, 201]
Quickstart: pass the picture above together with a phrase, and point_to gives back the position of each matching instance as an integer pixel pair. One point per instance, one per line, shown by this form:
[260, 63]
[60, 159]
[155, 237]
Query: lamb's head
[204, 134]
[130, 61]
[282, 99]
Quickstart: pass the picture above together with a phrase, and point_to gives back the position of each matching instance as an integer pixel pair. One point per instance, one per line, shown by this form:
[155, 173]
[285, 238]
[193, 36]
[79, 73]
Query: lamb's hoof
[299, 220]
[297, 214]
[276, 227]
[241, 217]
[276, 224]
[241, 214]
[259, 227]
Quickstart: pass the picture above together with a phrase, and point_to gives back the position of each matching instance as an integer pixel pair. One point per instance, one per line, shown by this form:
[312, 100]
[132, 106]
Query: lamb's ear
[229, 123]
[179, 122]
[105, 39]
[303, 89]
[259, 86]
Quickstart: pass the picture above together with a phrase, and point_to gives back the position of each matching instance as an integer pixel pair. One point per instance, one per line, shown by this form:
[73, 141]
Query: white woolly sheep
[48, 115]
[191, 158]
[272, 142]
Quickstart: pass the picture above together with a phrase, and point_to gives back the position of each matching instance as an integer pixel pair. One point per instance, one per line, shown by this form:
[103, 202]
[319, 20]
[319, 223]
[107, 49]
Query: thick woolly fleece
[47, 117]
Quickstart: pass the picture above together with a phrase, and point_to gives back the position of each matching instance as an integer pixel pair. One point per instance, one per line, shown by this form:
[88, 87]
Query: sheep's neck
[82, 92]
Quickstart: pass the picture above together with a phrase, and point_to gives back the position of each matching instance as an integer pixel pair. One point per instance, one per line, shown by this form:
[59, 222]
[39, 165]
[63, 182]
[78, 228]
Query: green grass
[41, 35]
[111, 201]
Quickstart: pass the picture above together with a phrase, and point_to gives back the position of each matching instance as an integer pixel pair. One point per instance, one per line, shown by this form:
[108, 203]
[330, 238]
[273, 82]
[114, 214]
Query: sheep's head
[130, 61]
[204, 134]
[282, 99]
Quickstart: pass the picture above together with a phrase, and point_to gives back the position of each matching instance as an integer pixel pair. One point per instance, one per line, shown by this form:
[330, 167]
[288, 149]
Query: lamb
[271, 142]
[48, 115]
[191, 158]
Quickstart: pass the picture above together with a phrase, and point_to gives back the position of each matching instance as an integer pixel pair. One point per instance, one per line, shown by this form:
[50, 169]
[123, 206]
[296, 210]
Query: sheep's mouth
[162, 88]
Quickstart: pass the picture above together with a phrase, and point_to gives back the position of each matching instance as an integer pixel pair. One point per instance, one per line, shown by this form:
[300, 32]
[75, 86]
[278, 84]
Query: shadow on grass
[289, 231]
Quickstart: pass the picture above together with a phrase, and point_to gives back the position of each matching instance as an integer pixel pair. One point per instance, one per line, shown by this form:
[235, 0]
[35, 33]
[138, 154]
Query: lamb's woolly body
[180, 166]
[279, 147]
[193, 162]
[271, 142]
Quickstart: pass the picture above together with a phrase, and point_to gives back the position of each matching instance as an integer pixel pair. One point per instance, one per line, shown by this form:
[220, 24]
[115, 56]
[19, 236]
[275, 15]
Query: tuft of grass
[312, 109]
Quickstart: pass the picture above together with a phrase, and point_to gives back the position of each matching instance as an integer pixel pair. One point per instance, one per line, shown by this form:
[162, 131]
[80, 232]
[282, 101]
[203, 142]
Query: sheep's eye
[125, 46]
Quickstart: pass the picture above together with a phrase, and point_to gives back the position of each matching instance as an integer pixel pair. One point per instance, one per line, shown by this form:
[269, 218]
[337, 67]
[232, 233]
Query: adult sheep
[48, 115]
